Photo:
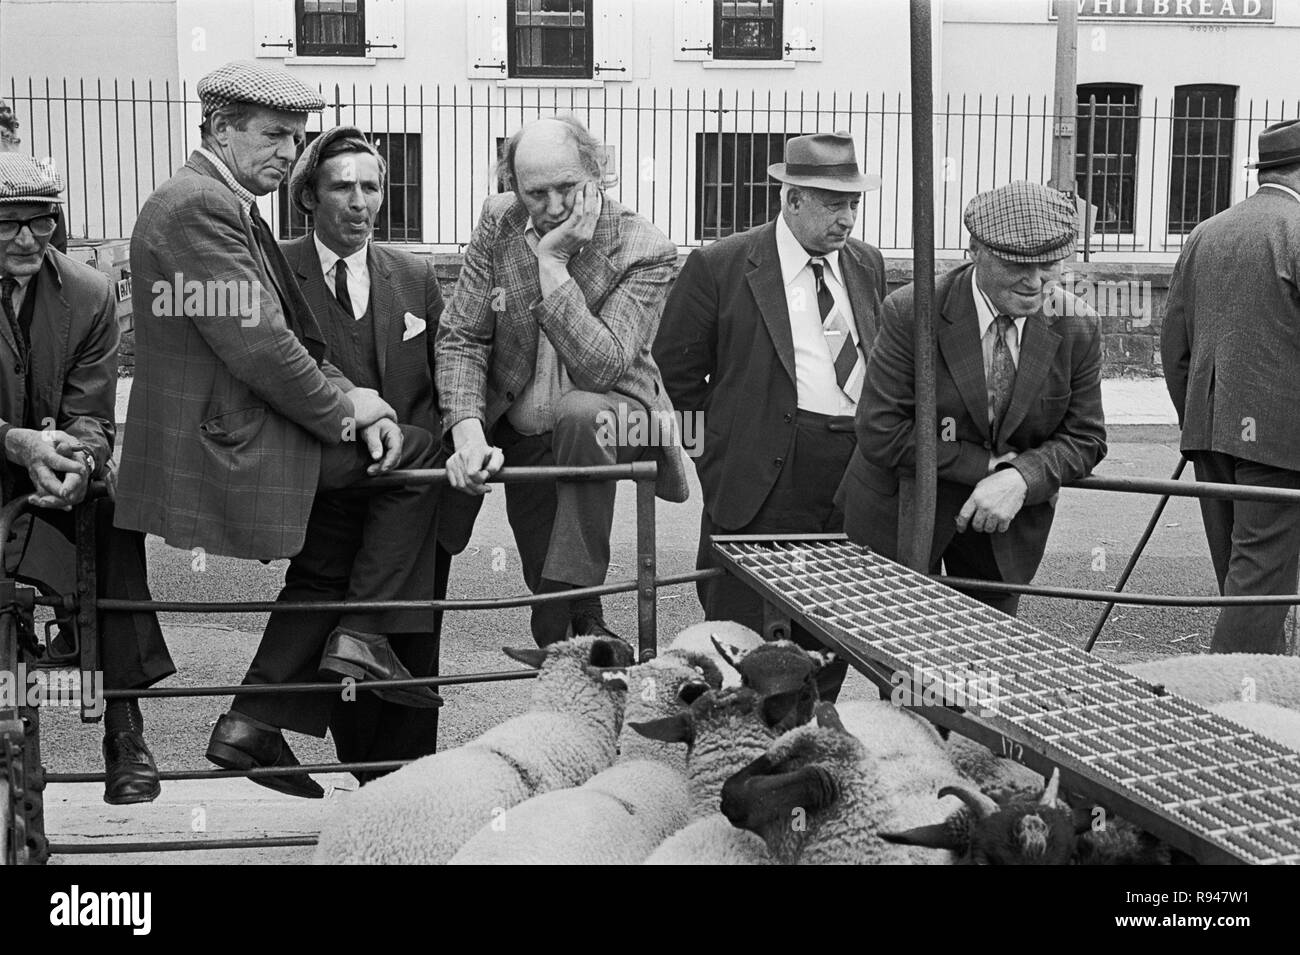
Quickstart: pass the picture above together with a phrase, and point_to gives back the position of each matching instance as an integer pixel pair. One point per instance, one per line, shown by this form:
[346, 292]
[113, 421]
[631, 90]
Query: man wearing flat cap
[237, 420]
[765, 335]
[1231, 346]
[58, 387]
[1018, 386]
[378, 308]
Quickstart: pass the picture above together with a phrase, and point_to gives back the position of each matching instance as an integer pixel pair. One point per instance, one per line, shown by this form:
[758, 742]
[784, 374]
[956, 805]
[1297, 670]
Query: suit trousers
[562, 529]
[801, 502]
[359, 546]
[1255, 548]
[132, 652]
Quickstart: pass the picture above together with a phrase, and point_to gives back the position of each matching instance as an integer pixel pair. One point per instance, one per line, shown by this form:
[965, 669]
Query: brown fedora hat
[1278, 145]
[823, 161]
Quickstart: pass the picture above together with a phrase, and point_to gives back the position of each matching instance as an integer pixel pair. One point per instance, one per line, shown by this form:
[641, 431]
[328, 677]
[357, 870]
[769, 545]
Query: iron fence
[693, 161]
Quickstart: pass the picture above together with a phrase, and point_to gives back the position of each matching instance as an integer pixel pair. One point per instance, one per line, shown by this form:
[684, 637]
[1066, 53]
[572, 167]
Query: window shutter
[612, 35]
[386, 28]
[486, 39]
[273, 29]
[693, 30]
[803, 30]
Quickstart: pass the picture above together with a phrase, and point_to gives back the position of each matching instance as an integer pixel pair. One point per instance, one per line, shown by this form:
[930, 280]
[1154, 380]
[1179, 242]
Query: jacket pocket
[233, 428]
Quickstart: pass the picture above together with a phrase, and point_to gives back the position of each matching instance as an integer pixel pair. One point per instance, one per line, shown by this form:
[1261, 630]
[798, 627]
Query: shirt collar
[1281, 188]
[984, 310]
[246, 197]
[356, 261]
[794, 256]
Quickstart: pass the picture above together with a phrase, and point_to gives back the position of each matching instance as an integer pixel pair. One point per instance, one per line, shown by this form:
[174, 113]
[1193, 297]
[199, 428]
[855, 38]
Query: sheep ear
[610, 652]
[527, 656]
[936, 836]
[827, 676]
[669, 729]
[733, 655]
[828, 717]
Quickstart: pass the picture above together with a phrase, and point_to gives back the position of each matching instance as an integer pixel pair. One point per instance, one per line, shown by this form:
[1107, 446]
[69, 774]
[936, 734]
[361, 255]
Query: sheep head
[718, 707]
[780, 666]
[1023, 831]
[675, 680]
[604, 660]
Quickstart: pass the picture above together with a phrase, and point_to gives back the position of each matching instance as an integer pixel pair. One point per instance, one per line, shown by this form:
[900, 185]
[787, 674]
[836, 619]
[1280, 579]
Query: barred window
[1108, 133]
[331, 27]
[747, 29]
[735, 193]
[1200, 162]
[549, 38]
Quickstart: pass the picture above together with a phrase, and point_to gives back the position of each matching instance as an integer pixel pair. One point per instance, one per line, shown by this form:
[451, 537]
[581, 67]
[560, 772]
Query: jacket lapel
[515, 265]
[959, 341]
[51, 322]
[381, 305]
[591, 268]
[768, 288]
[1037, 351]
[861, 285]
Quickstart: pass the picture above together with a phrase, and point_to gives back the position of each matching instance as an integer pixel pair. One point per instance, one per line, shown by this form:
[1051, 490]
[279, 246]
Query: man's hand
[384, 442]
[474, 461]
[54, 462]
[368, 407]
[994, 503]
[567, 239]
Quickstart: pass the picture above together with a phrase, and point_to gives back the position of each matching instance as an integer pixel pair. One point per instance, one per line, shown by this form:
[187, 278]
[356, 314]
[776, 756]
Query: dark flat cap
[244, 81]
[23, 179]
[305, 168]
[1023, 222]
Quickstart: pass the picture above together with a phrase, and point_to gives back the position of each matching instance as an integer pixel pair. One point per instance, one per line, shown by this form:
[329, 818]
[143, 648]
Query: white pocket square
[414, 326]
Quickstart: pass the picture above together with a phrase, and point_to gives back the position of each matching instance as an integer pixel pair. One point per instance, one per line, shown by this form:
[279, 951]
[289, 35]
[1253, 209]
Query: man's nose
[847, 218]
[356, 199]
[555, 204]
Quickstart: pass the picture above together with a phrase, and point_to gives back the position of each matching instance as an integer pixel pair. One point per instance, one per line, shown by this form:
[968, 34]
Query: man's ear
[309, 198]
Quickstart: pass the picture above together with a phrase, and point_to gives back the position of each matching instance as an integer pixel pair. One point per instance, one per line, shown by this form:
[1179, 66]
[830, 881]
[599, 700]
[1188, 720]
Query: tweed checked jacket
[1231, 334]
[73, 357]
[602, 323]
[228, 410]
[1054, 421]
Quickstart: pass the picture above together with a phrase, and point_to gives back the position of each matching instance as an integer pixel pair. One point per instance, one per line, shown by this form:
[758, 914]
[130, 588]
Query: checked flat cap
[1023, 222]
[243, 81]
[305, 168]
[23, 179]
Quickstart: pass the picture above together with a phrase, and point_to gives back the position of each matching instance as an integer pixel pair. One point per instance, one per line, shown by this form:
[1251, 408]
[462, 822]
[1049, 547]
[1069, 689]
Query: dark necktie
[843, 352]
[8, 286]
[341, 287]
[1002, 374]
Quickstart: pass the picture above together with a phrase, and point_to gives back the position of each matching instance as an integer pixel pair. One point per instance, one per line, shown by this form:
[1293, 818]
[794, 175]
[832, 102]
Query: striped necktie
[844, 354]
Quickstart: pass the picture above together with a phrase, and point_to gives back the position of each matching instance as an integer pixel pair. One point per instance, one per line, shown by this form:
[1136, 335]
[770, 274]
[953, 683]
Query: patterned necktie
[1002, 374]
[341, 286]
[8, 286]
[843, 352]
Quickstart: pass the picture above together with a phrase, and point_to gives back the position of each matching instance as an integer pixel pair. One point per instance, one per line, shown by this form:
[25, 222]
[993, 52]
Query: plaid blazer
[229, 407]
[602, 323]
[1054, 422]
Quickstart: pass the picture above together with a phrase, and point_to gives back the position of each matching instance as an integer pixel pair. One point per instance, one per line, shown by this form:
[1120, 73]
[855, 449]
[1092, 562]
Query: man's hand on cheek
[567, 239]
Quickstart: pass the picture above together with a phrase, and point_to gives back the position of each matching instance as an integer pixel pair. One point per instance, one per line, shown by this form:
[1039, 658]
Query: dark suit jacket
[228, 411]
[73, 357]
[1054, 421]
[601, 324]
[726, 349]
[1231, 334]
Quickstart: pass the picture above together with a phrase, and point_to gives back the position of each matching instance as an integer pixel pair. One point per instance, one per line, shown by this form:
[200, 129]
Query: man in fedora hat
[765, 335]
[1231, 345]
[237, 421]
[1018, 386]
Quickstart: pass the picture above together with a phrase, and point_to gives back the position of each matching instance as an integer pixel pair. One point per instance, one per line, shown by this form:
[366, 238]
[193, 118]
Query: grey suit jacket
[229, 407]
[1231, 334]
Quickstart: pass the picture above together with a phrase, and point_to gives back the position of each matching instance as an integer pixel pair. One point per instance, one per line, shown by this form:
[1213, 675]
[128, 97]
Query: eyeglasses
[40, 226]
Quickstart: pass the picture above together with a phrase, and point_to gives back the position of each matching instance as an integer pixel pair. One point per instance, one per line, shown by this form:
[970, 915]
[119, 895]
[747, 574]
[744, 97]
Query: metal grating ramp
[1197, 780]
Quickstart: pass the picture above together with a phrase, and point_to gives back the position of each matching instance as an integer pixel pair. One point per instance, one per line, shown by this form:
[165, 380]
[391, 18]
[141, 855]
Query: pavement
[1091, 539]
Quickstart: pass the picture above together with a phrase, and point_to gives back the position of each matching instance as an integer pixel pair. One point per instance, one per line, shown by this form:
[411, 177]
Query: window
[1110, 135]
[1200, 163]
[331, 28]
[399, 216]
[549, 38]
[735, 193]
[747, 29]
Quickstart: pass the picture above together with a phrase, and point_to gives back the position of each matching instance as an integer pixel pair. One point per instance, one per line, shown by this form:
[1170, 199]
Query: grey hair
[591, 151]
[828, 195]
[237, 114]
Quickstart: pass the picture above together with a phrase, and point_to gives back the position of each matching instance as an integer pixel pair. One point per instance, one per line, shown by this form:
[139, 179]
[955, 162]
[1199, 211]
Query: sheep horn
[939, 835]
[981, 805]
[828, 717]
[1053, 787]
[528, 656]
[733, 655]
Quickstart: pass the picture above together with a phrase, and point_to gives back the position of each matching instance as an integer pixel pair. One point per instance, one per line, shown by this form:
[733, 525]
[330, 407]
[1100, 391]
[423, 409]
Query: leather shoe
[369, 656]
[130, 773]
[590, 625]
[238, 744]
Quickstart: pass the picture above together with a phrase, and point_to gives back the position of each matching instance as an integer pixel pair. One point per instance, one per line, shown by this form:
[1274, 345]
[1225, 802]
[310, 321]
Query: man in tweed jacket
[236, 420]
[1018, 389]
[545, 347]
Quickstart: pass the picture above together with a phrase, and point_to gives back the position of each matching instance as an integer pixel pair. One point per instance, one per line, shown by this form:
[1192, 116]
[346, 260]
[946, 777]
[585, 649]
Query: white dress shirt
[814, 365]
[358, 274]
[533, 412]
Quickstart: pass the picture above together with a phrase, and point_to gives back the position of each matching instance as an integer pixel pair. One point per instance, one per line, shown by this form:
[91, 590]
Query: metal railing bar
[105, 848]
[1136, 599]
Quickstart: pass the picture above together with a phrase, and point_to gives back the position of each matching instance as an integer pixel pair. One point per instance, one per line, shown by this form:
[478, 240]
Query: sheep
[822, 794]
[702, 638]
[622, 813]
[1278, 723]
[1208, 678]
[425, 811]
